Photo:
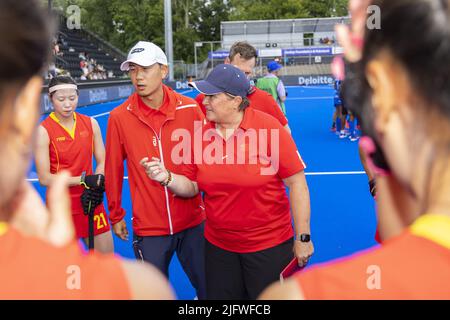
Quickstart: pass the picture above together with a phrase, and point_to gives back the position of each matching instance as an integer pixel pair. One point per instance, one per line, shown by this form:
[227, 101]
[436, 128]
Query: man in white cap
[139, 130]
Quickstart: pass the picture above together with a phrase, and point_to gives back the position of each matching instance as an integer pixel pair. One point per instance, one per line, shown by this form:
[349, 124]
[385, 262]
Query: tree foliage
[124, 22]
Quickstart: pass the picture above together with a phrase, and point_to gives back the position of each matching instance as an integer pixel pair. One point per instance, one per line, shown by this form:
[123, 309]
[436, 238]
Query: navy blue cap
[224, 78]
[273, 66]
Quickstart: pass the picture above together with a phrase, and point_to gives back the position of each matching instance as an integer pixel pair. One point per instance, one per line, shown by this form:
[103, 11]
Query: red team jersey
[414, 265]
[73, 151]
[33, 269]
[134, 132]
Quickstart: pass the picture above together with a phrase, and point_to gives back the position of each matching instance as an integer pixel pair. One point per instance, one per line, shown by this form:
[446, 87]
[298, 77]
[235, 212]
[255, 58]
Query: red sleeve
[199, 98]
[263, 101]
[290, 161]
[277, 113]
[114, 169]
[190, 169]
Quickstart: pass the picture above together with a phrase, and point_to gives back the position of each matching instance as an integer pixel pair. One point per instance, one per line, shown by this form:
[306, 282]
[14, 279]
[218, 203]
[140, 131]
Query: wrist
[82, 179]
[303, 237]
[169, 179]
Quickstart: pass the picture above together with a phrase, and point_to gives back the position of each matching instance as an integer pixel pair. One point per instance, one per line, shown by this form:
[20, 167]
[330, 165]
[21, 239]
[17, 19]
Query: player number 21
[101, 221]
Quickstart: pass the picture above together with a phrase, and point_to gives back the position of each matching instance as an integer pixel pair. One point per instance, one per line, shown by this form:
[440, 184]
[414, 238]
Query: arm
[180, 185]
[99, 148]
[114, 170]
[42, 158]
[301, 212]
[281, 91]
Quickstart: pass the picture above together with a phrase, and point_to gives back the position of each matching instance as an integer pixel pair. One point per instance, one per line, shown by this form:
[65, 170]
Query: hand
[94, 181]
[91, 199]
[352, 52]
[120, 229]
[155, 169]
[358, 10]
[53, 224]
[303, 251]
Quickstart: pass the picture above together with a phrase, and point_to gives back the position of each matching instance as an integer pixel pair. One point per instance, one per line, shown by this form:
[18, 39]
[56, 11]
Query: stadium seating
[73, 42]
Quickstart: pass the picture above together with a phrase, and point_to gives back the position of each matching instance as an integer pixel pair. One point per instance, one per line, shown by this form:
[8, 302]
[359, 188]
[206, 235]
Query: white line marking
[342, 173]
[310, 87]
[101, 114]
[186, 91]
[312, 98]
[334, 173]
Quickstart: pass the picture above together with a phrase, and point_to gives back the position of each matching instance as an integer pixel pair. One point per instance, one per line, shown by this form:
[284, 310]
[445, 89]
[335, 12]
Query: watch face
[305, 237]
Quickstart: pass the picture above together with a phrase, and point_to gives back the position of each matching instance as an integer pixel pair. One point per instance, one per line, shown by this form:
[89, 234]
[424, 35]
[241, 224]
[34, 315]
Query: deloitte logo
[315, 80]
[182, 85]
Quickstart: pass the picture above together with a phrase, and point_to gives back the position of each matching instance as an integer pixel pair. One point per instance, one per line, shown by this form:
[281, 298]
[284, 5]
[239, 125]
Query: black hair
[61, 80]
[25, 37]
[417, 34]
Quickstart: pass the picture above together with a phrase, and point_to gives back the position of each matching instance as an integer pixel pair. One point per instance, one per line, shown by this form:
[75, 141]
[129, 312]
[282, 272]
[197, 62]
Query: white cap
[145, 54]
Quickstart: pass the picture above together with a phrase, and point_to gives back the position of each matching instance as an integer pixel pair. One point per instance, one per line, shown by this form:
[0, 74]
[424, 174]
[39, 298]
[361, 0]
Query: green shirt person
[273, 85]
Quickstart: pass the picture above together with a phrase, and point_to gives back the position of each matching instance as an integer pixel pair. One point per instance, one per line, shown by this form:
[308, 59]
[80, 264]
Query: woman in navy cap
[245, 162]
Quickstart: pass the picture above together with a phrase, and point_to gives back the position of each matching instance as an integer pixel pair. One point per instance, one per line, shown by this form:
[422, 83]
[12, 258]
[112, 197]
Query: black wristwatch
[304, 237]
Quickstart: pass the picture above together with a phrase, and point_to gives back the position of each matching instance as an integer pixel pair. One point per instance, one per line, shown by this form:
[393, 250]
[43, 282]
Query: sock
[338, 124]
[352, 127]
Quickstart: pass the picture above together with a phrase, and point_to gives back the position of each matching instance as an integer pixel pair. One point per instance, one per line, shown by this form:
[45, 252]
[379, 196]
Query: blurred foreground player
[39, 257]
[403, 76]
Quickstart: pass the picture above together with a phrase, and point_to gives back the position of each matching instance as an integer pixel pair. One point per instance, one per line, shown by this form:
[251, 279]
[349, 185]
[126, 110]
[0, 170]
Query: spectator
[273, 85]
[82, 55]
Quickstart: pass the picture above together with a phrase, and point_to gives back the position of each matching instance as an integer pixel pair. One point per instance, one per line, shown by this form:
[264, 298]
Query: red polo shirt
[259, 100]
[246, 204]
